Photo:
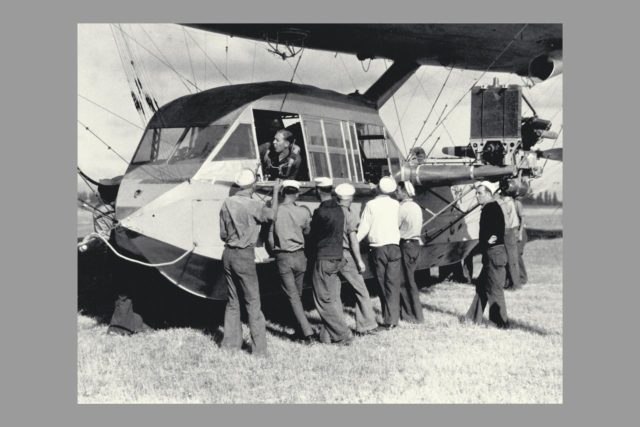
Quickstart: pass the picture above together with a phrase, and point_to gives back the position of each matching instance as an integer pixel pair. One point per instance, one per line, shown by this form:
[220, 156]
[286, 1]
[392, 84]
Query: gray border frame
[40, 292]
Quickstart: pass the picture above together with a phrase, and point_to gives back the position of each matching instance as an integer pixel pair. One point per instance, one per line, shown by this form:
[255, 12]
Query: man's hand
[492, 239]
[361, 266]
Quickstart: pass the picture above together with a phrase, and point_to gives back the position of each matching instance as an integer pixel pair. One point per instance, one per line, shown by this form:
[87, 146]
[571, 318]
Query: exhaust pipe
[433, 176]
[544, 67]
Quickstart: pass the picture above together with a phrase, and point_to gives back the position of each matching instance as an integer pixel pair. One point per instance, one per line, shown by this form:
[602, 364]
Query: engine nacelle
[545, 66]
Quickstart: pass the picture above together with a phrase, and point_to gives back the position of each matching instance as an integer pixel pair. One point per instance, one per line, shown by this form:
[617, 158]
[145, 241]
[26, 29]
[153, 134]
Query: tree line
[546, 198]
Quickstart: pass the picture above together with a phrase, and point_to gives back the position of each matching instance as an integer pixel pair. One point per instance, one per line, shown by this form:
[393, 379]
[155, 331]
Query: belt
[238, 248]
[288, 252]
[410, 240]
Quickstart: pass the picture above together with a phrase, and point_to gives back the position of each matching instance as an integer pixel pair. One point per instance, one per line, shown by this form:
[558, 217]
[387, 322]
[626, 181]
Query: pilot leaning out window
[280, 158]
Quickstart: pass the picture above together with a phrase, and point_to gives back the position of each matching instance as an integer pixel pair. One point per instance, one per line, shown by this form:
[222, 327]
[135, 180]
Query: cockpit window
[171, 145]
[240, 145]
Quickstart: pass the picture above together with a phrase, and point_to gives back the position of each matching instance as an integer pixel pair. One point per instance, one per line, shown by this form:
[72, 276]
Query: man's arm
[354, 245]
[365, 223]
[224, 213]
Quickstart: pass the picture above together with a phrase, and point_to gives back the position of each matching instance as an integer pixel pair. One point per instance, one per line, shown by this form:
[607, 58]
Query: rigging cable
[148, 93]
[86, 179]
[186, 44]
[160, 59]
[101, 140]
[429, 100]
[291, 80]
[209, 58]
[406, 108]
[136, 101]
[253, 64]
[349, 74]
[136, 78]
[166, 61]
[118, 154]
[109, 111]
[226, 56]
[478, 79]
[430, 111]
[552, 145]
[395, 107]
[160, 264]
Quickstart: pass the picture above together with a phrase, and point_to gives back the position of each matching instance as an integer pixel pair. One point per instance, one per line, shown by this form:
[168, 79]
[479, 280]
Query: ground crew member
[379, 222]
[410, 216]
[240, 219]
[489, 287]
[325, 238]
[512, 224]
[522, 240]
[354, 267]
[287, 240]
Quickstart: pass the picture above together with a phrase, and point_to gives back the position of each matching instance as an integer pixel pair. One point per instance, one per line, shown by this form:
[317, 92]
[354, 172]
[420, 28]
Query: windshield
[171, 145]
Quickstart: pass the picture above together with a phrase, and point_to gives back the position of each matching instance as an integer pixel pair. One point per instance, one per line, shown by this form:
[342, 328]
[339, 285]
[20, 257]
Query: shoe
[309, 339]
[346, 341]
[386, 327]
[369, 332]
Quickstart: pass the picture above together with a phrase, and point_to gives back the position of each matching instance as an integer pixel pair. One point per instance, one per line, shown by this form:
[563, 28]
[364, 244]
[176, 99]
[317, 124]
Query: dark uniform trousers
[389, 273]
[240, 272]
[326, 295]
[292, 266]
[513, 267]
[523, 270]
[490, 288]
[410, 306]
[365, 316]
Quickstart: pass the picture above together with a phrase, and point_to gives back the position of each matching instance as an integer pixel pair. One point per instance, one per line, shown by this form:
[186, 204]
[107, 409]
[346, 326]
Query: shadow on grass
[102, 277]
[513, 324]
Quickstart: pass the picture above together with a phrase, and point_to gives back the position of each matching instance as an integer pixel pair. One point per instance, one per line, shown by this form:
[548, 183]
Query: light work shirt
[240, 218]
[410, 216]
[508, 206]
[379, 221]
[291, 224]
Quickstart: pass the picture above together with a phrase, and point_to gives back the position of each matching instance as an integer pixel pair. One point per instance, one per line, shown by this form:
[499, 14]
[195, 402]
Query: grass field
[441, 361]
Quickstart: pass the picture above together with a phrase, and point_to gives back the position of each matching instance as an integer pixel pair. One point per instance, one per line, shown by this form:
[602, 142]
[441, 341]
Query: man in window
[280, 158]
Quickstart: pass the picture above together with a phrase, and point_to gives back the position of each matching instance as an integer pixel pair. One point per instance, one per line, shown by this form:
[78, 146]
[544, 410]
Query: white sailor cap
[491, 186]
[291, 183]
[345, 190]
[408, 186]
[323, 181]
[387, 185]
[244, 178]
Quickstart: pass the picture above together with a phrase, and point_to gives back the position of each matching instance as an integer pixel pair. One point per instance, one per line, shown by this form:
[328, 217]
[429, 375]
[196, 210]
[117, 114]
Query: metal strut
[443, 210]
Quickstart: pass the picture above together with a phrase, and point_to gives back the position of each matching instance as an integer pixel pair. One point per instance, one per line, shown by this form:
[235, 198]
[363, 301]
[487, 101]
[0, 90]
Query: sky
[172, 60]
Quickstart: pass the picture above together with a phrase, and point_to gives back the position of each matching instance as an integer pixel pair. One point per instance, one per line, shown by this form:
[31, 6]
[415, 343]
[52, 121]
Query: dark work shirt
[491, 224]
[240, 219]
[327, 228]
